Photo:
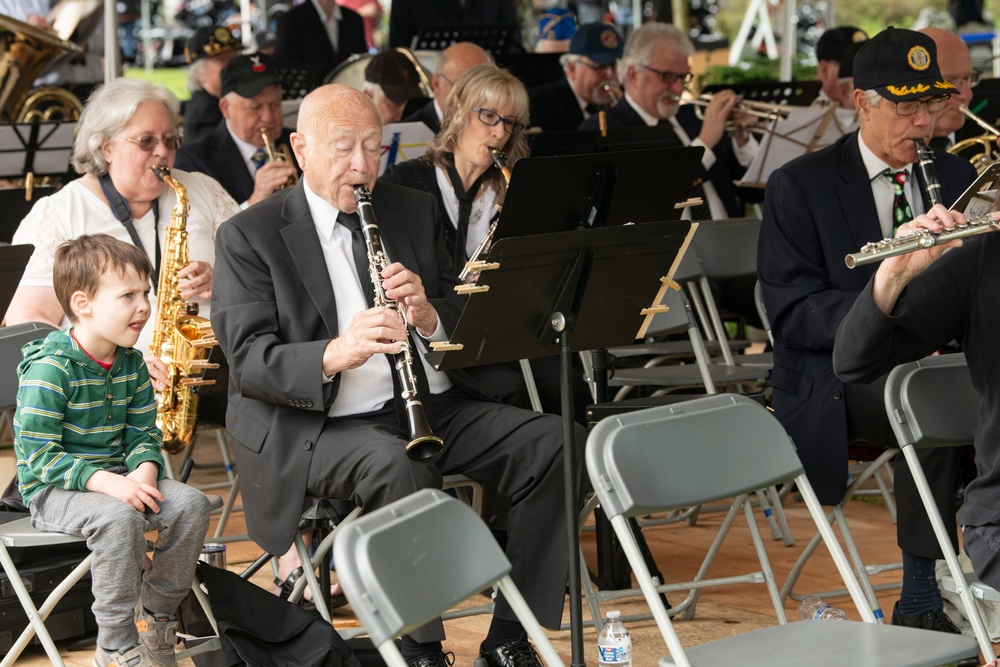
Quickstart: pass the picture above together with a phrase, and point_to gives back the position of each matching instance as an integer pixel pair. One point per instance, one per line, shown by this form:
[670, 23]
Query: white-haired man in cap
[817, 209]
[830, 50]
[207, 51]
[591, 81]
[455, 61]
[391, 80]
[234, 153]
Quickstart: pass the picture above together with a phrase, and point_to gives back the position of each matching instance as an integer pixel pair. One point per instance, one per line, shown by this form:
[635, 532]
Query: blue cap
[557, 23]
[600, 42]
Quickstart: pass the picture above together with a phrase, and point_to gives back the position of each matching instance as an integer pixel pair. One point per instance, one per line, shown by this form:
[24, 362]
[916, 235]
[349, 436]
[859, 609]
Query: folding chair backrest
[727, 248]
[413, 559]
[758, 299]
[678, 318]
[687, 454]
[931, 402]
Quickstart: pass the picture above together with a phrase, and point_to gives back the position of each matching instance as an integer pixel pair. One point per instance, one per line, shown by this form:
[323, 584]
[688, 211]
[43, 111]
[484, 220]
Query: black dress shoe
[935, 620]
[519, 653]
[433, 660]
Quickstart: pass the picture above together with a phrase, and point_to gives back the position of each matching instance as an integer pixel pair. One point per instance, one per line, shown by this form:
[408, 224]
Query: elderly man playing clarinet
[819, 208]
[312, 406]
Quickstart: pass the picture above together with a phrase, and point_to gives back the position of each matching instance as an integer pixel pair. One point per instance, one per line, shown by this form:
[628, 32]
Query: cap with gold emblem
[210, 41]
[900, 65]
[834, 42]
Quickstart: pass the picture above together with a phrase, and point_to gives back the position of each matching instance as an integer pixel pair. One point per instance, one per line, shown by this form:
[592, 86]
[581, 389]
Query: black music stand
[494, 39]
[578, 142]
[40, 148]
[14, 205]
[533, 69]
[788, 93]
[560, 293]
[299, 79]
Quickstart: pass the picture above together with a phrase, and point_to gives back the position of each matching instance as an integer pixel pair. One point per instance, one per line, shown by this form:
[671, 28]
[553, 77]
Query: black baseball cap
[900, 65]
[396, 74]
[847, 59]
[210, 41]
[600, 42]
[834, 42]
[248, 75]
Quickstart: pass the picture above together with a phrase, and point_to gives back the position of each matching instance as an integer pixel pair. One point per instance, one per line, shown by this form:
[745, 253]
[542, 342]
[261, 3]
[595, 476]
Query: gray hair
[873, 97]
[108, 110]
[642, 41]
[567, 58]
[195, 70]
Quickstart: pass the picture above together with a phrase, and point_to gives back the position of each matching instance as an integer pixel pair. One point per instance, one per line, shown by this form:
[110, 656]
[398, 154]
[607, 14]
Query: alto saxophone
[423, 444]
[472, 268]
[181, 339]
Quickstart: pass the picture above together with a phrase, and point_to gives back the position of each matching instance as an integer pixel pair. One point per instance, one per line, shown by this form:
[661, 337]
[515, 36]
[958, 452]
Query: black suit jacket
[818, 209]
[302, 39]
[409, 16]
[201, 115]
[722, 174]
[273, 311]
[217, 155]
[426, 115]
[554, 107]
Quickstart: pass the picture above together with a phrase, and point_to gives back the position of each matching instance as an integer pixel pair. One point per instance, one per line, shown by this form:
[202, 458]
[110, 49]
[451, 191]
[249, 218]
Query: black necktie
[701, 211]
[359, 249]
[464, 213]
[591, 109]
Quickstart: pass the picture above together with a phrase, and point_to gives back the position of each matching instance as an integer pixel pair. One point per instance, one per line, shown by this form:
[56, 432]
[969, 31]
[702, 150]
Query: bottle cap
[612, 615]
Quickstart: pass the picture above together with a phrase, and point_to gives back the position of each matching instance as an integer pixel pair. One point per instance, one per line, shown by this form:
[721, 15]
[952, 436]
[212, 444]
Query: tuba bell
[25, 53]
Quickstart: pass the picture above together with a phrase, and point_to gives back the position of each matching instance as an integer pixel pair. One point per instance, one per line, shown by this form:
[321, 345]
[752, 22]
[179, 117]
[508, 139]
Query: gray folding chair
[20, 534]
[404, 564]
[662, 458]
[932, 403]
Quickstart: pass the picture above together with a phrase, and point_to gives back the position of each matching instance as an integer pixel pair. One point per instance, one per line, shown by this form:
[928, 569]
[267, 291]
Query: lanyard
[123, 213]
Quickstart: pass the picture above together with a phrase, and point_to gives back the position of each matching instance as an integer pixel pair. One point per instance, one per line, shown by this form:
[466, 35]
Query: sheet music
[49, 153]
[804, 130]
[402, 142]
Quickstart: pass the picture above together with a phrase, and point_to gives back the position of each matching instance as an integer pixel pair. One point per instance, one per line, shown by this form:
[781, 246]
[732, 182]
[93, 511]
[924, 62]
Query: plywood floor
[678, 550]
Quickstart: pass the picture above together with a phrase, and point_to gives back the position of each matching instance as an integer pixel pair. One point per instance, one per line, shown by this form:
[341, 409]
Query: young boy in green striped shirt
[89, 459]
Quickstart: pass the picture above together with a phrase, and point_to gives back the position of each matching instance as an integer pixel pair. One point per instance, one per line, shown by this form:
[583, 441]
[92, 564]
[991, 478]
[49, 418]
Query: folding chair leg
[689, 603]
[944, 540]
[859, 565]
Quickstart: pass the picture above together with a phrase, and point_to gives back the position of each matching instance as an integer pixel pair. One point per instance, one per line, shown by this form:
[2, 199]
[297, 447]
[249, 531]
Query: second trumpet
[283, 154]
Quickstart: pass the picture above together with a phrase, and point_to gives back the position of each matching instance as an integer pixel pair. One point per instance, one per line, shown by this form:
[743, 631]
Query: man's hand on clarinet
[405, 287]
[374, 331]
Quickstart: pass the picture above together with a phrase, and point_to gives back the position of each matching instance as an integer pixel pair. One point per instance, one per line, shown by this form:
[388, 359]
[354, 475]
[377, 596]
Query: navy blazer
[554, 107]
[818, 209]
[302, 39]
[722, 174]
[274, 311]
[409, 16]
[427, 115]
[218, 156]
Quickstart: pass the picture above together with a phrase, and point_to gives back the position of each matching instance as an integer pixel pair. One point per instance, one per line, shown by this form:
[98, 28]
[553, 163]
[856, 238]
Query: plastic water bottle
[814, 609]
[614, 642]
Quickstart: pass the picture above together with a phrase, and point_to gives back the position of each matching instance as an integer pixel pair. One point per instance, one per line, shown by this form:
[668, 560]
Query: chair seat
[672, 348]
[834, 643]
[978, 589]
[20, 533]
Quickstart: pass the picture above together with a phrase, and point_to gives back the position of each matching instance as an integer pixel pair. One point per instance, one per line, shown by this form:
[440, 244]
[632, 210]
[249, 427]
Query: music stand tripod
[561, 293]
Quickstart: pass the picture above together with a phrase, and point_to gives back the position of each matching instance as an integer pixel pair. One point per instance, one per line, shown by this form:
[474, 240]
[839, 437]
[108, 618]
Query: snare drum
[351, 72]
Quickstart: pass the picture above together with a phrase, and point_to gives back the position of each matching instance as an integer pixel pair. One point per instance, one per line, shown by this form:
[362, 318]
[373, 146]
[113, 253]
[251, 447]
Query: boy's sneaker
[136, 655]
[158, 633]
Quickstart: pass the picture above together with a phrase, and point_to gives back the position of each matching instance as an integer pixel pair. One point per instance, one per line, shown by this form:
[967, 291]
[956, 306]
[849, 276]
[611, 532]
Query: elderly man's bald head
[455, 61]
[337, 143]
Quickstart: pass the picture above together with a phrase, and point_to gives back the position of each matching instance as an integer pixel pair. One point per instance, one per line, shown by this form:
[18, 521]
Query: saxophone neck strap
[123, 213]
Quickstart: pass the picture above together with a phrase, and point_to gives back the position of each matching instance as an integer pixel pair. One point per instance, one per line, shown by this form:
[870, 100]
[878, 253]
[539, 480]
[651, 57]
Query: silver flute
[423, 443]
[876, 252]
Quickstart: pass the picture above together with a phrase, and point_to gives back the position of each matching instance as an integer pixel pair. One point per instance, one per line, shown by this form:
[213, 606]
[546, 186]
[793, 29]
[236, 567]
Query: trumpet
[283, 154]
[468, 276]
[876, 252]
[984, 144]
[765, 111]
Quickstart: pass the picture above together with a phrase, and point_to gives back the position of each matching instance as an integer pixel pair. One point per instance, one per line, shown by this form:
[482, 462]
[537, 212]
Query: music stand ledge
[561, 293]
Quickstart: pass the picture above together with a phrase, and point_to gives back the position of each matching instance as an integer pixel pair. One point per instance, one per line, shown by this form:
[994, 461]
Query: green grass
[174, 78]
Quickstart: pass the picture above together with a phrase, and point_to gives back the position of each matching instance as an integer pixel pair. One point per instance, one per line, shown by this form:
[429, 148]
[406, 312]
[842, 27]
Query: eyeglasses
[148, 142]
[910, 107]
[492, 118]
[669, 78]
[973, 79]
[597, 68]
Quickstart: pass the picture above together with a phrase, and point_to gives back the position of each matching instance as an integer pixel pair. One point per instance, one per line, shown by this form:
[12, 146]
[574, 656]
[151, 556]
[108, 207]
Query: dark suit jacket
[818, 209]
[201, 115]
[217, 155]
[426, 115]
[302, 39]
[722, 174]
[554, 107]
[273, 311]
[409, 16]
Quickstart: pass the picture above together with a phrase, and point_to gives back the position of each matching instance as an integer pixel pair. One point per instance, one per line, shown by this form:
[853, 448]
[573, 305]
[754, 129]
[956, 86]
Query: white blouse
[483, 209]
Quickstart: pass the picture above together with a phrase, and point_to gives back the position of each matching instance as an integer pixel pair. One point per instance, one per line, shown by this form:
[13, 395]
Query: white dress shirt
[883, 191]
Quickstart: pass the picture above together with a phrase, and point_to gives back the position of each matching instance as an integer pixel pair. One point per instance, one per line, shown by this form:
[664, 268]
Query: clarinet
[929, 171]
[423, 443]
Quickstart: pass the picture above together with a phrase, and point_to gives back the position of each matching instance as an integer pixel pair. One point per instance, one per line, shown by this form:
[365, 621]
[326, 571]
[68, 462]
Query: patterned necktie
[258, 159]
[901, 211]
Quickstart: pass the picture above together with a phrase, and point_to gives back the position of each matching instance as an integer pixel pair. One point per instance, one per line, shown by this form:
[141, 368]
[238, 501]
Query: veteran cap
[598, 41]
[248, 75]
[210, 41]
[833, 42]
[900, 65]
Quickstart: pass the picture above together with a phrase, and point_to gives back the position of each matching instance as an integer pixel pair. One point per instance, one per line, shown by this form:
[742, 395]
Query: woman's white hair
[108, 110]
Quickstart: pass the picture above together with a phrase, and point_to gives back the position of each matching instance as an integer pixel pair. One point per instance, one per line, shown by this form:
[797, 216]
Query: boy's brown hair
[80, 264]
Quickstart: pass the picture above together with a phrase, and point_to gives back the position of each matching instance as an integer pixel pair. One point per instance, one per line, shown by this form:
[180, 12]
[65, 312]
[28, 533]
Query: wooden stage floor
[678, 550]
